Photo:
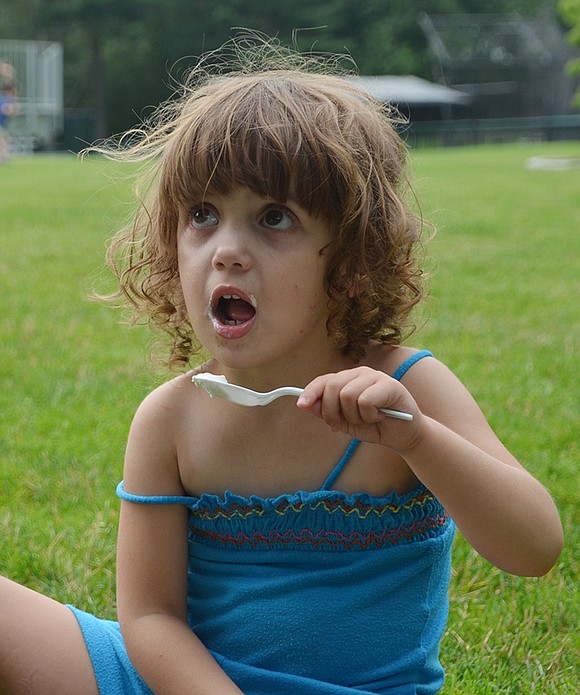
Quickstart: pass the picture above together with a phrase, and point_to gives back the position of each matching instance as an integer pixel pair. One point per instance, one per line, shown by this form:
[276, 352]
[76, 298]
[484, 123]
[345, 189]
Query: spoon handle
[397, 414]
[288, 391]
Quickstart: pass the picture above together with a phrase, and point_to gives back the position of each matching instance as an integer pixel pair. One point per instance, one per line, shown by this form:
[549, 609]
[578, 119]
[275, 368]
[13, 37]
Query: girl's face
[252, 275]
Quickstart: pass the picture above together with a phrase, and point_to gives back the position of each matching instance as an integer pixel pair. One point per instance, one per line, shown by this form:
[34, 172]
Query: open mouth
[232, 310]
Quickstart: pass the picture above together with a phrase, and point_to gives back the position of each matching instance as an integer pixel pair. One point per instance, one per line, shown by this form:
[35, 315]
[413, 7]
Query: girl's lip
[230, 330]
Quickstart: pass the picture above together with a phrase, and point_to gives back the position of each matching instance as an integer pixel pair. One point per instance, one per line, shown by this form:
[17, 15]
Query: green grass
[503, 314]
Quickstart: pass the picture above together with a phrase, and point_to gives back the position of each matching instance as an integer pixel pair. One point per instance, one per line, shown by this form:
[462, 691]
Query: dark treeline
[121, 56]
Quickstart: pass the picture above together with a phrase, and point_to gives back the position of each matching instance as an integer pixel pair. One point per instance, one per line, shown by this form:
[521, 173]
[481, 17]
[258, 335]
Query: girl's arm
[152, 564]
[505, 513]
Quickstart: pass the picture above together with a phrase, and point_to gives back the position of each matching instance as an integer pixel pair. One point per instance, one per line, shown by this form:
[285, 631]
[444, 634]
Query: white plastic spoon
[218, 385]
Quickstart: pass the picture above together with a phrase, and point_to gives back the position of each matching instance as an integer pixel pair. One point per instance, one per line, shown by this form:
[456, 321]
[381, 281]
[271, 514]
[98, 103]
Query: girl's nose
[231, 251]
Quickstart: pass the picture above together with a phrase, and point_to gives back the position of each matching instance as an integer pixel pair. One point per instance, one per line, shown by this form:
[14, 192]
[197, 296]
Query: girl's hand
[349, 402]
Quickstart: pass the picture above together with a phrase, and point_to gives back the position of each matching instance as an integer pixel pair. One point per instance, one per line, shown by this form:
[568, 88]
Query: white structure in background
[409, 91]
[38, 69]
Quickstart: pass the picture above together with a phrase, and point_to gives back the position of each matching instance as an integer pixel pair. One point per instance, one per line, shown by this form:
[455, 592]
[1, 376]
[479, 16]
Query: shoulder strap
[409, 362]
[337, 470]
[352, 447]
[151, 499]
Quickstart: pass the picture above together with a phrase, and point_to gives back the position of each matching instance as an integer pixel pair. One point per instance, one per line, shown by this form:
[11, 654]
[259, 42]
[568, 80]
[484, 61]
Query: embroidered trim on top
[379, 538]
[332, 522]
[330, 505]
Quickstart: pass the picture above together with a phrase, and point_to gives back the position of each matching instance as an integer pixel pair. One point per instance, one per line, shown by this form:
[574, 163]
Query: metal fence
[38, 70]
[479, 131]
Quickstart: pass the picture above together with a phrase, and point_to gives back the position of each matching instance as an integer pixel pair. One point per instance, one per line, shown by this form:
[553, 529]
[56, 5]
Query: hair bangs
[254, 138]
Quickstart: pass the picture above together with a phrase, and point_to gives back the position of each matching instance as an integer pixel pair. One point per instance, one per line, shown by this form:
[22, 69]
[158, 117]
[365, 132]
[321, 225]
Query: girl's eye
[202, 217]
[277, 218]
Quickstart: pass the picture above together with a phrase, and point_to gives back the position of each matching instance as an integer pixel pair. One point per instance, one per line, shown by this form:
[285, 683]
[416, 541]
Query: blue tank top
[320, 592]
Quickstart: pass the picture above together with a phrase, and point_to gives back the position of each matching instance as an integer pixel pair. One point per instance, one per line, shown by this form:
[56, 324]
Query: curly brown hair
[284, 127]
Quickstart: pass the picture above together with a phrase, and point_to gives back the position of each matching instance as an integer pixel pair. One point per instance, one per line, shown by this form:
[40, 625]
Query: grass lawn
[503, 313]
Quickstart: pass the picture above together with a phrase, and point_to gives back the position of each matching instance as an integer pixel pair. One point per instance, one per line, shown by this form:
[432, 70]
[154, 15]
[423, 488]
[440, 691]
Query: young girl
[304, 547]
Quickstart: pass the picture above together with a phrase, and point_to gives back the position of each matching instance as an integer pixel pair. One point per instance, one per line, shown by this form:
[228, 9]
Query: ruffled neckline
[301, 496]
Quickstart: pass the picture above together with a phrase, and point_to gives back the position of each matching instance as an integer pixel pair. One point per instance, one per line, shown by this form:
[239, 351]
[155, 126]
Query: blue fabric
[337, 470]
[4, 101]
[320, 592]
[409, 362]
[307, 593]
[113, 670]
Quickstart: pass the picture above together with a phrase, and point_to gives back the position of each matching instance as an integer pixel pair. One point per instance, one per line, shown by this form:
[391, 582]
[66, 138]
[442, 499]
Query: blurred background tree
[121, 56]
[570, 13]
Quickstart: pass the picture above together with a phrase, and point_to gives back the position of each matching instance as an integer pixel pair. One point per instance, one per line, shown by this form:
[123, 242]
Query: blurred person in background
[8, 106]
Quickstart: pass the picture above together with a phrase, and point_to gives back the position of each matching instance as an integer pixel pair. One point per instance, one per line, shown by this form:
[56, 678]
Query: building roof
[410, 90]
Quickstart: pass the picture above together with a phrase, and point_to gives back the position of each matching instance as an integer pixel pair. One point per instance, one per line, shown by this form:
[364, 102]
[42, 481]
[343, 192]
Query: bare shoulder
[388, 359]
[438, 391]
[151, 465]
[162, 406]
[424, 376]
[441, 395]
